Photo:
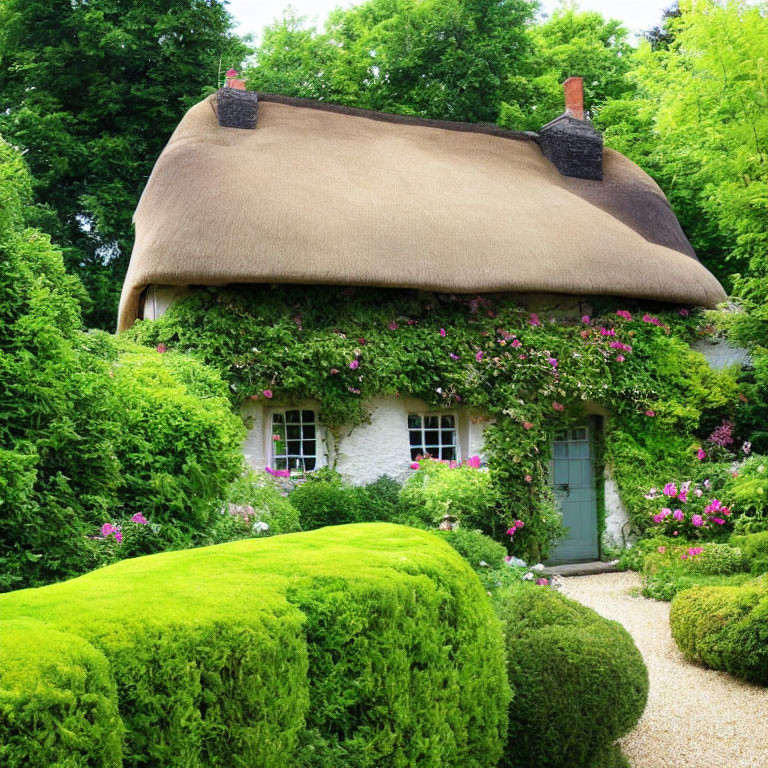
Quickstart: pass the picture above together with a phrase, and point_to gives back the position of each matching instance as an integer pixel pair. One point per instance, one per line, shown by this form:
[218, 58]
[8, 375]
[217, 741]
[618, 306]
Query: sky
[253, 15]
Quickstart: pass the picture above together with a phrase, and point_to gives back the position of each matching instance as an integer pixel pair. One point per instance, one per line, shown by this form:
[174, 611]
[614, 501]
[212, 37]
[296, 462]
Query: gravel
[695, 717]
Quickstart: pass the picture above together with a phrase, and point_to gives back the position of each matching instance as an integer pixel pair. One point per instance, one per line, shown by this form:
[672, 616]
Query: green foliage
[324, 500]
[93, 430]
[363, 645]
[380, 501]
[579, 681]
[754, 547]
[479, 550]
[63, 693]
[93, 91]
[725, 628]
[663, 396]
[437, 490]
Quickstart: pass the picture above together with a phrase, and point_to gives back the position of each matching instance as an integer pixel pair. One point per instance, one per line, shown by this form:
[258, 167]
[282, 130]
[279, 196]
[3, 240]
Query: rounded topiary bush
[479, 550]
[579, 682]
[725, 628]
[324, 500]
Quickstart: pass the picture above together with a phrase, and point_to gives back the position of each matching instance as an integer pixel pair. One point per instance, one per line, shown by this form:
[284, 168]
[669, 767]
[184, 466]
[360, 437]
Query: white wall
[366, 451]
[159, 298]
[617, 524]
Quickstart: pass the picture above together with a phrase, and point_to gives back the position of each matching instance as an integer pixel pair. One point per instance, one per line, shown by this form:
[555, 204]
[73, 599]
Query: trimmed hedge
[725, 628]
[363, 645]
[580, 683]
[754, 547]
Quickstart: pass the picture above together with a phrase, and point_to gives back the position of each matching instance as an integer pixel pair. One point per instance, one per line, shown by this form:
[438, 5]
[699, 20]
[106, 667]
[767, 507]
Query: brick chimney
[232, 80]
[574, 97]
[570, 142]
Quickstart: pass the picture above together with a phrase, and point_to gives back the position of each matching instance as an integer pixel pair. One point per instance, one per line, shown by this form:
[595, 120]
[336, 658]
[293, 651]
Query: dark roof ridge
[388, 117]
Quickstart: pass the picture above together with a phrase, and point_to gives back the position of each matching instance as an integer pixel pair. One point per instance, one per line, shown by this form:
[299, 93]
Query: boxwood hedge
[580, 683]
[725, 628]
[754, 547]
[361, 645]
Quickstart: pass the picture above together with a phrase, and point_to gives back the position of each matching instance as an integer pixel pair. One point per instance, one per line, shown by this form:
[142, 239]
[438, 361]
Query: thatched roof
[320, 194]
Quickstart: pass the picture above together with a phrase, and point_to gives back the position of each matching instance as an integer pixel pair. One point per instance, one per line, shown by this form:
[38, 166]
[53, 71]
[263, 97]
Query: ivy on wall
[532, 372]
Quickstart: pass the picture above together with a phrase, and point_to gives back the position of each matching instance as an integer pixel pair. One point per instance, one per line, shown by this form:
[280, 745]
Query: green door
[573, 477]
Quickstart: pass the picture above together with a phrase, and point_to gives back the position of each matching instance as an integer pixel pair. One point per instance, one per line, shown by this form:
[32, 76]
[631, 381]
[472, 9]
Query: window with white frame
[433, 434]
[294, 440]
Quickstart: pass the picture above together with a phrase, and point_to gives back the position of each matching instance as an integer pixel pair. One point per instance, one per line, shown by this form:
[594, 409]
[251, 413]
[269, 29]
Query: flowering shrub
[531, 372]
[688, 511]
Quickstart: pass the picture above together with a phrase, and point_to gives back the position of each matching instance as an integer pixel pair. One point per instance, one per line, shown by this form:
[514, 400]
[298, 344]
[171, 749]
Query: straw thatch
[320, 194]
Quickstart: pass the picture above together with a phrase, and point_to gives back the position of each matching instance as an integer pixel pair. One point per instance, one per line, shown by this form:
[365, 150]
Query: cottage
[259, 188]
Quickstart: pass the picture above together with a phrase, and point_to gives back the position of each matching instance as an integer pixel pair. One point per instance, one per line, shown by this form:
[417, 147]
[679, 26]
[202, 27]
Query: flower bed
[364, 644]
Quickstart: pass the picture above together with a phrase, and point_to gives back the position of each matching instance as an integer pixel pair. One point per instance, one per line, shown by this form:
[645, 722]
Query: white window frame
[293, 461]
[423, 448]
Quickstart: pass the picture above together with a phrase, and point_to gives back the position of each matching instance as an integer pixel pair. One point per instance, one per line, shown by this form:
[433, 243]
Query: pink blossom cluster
[108, 530]
[691, 553]
[515, 526]
[697, 517]
[472, 462]
[278, 472]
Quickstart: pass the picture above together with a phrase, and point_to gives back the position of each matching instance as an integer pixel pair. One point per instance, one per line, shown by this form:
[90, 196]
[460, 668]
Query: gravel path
[695, 718]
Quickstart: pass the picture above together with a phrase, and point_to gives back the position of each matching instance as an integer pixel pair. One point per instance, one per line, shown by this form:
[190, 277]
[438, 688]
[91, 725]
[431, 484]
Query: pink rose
[267, 393]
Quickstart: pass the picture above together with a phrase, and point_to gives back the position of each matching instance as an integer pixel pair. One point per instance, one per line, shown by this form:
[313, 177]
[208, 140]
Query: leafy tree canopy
[92, 90]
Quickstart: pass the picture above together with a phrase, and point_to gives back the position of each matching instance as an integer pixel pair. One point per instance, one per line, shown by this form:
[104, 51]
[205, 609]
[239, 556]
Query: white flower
[483, 564]
[260, 527]
[528, 576]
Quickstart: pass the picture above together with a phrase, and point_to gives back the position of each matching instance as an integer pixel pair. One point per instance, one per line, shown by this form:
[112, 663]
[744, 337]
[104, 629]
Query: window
[294, 440]
[433, 434]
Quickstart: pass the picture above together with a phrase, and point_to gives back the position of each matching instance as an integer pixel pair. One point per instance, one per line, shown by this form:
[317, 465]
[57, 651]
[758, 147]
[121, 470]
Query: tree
[569, 43]
[92, 91]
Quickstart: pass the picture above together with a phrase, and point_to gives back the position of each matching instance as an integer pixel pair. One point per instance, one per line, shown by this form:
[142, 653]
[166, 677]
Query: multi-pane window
[294, 440]
[433, 434]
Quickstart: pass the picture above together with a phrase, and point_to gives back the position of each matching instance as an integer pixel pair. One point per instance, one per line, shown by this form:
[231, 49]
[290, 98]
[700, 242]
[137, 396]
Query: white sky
[253, 15]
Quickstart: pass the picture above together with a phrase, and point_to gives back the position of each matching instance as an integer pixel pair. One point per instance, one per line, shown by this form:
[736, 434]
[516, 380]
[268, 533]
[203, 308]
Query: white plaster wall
[159, 298]
[617, 523]
[721, 354]
[368, 451]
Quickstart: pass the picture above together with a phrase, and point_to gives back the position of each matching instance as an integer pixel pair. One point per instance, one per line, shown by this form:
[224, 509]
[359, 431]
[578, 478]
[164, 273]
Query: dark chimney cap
[236, 108]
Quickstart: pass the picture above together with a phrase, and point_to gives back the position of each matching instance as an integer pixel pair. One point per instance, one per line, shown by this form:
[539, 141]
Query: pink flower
[647, 318]
[528, 479]
[697, 520]
[607, 332]
[657, 518]
[453, 357]
[161, 348]
[354, 390]
[519, 524]
[650, 414]
[623, 313]
[107, 528]
[415, 465]
[678, 514]
[620, 345]
[517, 343]
[542, 582]
[585, 319]
[354, 364]
[393, 326]
[522, 357]
[674, 533]
[662, 550]
[118, 537]
[558, 406]
[620, 358]
[701, 454]
[585, 334]
[534, 319]
[670, 489]
[139, 518]
[231, 73]
[479, 356]
[527, 425]
[267, 393]
[334, 370]
[683, 312]
[474, 462]
[552, 361]
[442, 332]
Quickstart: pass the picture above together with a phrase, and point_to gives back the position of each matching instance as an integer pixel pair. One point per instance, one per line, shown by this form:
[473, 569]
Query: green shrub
[479, 550]
[58, 705]
[717, 560]
[579, 681]
[755, 549]
[324, 500]
[359, 645]
[436, 490]
[380, 502]
[725, 628]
